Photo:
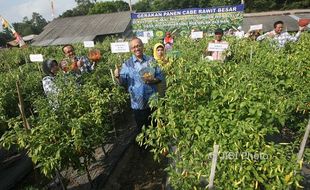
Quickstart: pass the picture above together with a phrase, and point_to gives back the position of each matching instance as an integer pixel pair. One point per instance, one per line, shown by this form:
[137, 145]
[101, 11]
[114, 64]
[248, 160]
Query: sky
[16, 10]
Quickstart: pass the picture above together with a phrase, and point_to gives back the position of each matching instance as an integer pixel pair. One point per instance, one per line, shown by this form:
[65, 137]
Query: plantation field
[255, 106]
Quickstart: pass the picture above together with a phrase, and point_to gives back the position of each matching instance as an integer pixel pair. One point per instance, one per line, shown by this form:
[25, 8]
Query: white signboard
[196, 35]
[144, 39]
[217, 46]
[36, 57]
[256, 27]
[120, 47]
[89, 44]
[148, 34]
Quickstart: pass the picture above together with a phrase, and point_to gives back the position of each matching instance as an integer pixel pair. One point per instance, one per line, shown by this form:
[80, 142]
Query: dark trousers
[143, 118]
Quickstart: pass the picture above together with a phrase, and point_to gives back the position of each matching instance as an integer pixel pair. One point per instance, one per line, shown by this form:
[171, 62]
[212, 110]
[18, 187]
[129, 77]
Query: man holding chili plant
[140, 76]
[77, 64]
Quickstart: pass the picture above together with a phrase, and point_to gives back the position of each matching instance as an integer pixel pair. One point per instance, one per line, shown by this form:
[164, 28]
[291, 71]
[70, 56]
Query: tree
[37, 23]
[23, 28]
[109, 7]
[83, 7]
[33, 26]
[5, 36]
[85, 2]
[260, 5]
[142, 6]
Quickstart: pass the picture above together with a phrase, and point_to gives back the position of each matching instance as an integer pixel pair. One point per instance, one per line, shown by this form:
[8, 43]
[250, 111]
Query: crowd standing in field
[140, 75]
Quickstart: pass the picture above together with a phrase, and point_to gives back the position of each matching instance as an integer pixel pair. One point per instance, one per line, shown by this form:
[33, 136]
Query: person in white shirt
[239, 33]
[279, 35]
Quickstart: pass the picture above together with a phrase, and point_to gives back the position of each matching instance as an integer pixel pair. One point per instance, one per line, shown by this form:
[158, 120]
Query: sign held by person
[217, 46]
[36, 57]
[120, 47]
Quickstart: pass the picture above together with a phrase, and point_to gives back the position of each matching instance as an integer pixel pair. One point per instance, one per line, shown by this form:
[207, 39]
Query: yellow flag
[5, 23]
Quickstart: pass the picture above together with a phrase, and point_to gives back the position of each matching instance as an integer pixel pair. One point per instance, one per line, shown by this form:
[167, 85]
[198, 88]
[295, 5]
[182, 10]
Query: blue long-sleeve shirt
[140, 92]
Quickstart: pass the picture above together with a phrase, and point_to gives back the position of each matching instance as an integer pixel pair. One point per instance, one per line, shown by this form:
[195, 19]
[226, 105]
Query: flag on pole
[53, 10]
[7, 25]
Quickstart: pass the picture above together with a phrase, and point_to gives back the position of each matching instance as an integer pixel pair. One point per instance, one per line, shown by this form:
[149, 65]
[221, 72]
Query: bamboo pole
[130, 7]
[22, 107]
[303, 143]
[213, 166]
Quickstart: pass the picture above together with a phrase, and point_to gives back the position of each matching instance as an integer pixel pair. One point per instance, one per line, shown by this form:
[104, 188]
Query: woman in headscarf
[50, 68]
[159, 56]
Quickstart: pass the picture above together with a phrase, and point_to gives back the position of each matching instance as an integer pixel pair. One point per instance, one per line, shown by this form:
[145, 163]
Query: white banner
[36, 57]
[256, 27]
[196, 35]
[120, 47]
[89, 44]
[144, 39]
[217, 46]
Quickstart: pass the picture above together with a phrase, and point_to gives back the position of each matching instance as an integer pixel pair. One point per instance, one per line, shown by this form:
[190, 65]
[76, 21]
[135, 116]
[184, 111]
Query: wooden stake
[22, 107]
[303, 143]
[112, 75]
[213, 166]
[251, 54]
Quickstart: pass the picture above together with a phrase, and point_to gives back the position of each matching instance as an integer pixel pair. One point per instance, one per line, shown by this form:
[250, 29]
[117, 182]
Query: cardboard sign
[197, 35]
[256, 27]
[89, 44]
[148, 34]
[144, 39]
[36, 57]
[217, 46]
[120, 47]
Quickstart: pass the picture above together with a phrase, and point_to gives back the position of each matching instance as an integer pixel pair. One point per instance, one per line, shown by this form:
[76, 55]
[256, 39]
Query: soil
[138, 171]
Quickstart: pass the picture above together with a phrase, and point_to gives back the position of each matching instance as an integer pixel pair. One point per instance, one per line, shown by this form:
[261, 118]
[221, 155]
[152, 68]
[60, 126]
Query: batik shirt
[281, 38]
[140, 92]
[87, 67]
[51, 90]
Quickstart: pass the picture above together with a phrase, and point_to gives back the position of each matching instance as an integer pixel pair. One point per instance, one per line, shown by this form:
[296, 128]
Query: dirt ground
[138, 171]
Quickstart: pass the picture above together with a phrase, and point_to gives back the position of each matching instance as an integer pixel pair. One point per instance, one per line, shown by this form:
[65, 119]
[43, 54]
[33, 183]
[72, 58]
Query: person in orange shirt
[168, 41]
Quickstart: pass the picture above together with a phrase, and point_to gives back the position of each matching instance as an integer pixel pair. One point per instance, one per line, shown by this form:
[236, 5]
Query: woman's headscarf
[156, 57]
[47, 66]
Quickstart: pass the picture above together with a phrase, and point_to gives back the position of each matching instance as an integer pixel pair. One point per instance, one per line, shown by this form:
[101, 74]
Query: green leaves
[237, 104]
[60, 134]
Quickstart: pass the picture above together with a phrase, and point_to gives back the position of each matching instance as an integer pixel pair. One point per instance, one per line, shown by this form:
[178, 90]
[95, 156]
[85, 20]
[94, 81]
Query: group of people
[139, 74]
[71, 64]
[277, 35]
[141, 87]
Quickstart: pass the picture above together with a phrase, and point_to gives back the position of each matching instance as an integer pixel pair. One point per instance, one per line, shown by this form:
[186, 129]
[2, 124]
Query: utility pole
[130, 7]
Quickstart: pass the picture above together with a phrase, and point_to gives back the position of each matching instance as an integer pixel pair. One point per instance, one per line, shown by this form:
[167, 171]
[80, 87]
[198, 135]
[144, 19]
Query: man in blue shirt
[140, 86]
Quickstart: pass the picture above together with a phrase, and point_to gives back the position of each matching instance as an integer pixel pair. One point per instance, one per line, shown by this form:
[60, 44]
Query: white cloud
[17, 12]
